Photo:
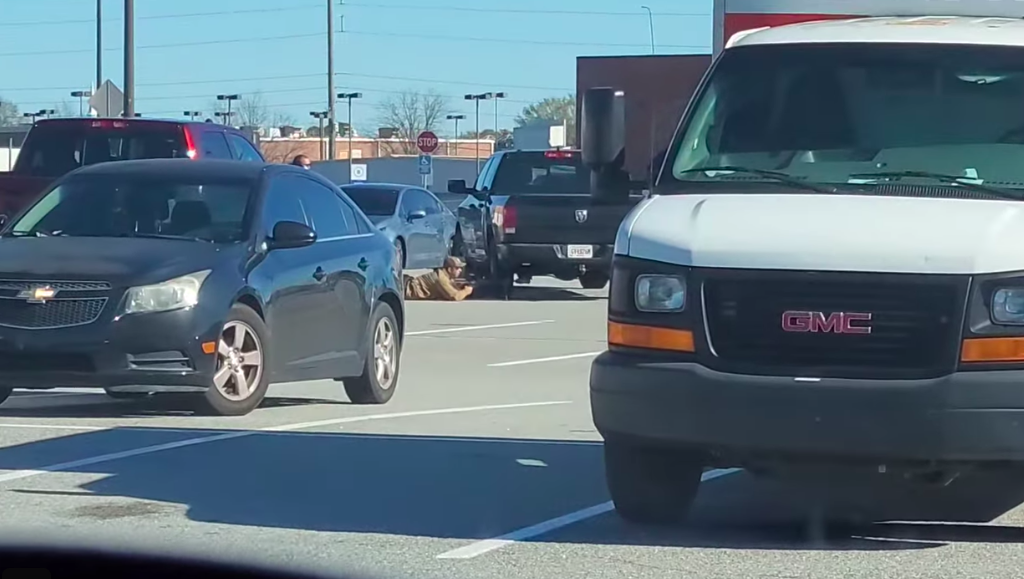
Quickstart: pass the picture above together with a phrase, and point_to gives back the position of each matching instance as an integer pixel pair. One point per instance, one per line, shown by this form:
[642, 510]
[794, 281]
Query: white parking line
[549, 359]
[471, 328]
[65, 466]
[487, 545]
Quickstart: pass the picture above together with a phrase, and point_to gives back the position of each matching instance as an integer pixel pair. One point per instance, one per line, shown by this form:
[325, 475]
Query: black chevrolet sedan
[214, 278]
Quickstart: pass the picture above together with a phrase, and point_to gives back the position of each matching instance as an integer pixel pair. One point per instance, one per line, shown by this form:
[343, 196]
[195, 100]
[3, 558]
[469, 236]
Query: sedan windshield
[860, 114]
[376, 201]
[109, 206]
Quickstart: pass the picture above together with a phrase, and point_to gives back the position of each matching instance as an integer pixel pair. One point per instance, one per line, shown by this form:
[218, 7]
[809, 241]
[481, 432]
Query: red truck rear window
[53, 150]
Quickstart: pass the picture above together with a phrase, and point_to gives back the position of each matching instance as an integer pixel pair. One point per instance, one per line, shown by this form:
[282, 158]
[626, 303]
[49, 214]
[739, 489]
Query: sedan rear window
[106, 206]
[379, 201]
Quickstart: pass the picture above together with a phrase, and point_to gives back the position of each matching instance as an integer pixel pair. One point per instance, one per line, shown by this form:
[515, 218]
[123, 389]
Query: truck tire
[651, 485]
[594, 280]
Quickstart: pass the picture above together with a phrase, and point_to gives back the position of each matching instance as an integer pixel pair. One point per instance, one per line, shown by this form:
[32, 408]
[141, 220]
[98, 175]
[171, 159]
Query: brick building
[283, 150]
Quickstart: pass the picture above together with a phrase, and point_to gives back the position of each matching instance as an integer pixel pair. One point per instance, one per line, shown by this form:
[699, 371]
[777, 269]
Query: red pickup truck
[56, 147]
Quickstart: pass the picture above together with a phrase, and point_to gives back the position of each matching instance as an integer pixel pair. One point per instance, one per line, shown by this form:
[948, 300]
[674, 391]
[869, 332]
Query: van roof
[911, 30]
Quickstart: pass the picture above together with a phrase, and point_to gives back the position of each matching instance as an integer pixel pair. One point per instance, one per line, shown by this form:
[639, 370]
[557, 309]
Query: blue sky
[187, 51]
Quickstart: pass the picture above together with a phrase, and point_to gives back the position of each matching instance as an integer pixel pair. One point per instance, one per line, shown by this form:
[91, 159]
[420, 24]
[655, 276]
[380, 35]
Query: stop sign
[427, 142]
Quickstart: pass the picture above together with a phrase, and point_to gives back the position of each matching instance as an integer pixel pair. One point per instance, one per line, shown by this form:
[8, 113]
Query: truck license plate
[580, 251]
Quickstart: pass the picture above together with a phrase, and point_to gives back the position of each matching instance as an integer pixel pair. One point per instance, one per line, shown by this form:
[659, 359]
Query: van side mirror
[603, 128]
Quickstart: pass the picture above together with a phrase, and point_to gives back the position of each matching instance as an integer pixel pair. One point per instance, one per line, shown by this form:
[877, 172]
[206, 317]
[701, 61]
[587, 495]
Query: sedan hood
[827, 233]
[119, 261]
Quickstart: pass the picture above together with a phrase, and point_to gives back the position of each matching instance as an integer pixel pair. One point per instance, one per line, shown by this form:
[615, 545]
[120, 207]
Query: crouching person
[442, 284]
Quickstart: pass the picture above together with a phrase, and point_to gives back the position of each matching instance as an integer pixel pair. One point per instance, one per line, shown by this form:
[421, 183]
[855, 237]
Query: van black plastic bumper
[965, 416]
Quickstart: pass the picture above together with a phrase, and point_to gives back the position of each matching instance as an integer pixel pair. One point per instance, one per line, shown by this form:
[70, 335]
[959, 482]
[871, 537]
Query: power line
[523, 40]
[543, 12]
[167, 16]
[223, 81]
[360, 33]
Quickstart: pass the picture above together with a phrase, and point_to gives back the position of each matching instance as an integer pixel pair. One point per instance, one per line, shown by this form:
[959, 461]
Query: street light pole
[192, 114]
[478, 97]
[129, 58]
[81, 95]
[348, 96]
[650, 22]
[321, 116]
[455, 118]
[331, 113]
[229, 98]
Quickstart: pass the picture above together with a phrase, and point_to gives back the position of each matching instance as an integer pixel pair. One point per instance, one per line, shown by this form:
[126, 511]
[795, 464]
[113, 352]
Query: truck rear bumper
[742, 420]
[552, 259]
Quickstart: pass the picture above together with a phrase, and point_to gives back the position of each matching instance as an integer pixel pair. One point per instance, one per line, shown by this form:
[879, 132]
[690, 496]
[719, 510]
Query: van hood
[827, 233]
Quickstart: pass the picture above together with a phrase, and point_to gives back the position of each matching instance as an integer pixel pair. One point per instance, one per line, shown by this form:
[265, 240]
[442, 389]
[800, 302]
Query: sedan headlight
[180, 292]
[1008, 306]
[660, 293]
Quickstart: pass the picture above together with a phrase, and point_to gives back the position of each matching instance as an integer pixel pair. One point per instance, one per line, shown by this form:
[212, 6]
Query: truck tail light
[505, 219]
[558, 154]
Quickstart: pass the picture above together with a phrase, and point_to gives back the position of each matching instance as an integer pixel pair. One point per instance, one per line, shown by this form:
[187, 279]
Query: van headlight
[180, 292]
[660, 293]
[1008, 306]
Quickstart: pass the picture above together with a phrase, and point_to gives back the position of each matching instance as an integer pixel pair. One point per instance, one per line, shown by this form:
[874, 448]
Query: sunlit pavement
[484, 465]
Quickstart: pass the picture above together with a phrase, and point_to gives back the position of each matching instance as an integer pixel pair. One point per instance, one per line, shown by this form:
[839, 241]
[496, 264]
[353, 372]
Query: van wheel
[240, 380]
[376, 385]
[651, 485]
[594, 280]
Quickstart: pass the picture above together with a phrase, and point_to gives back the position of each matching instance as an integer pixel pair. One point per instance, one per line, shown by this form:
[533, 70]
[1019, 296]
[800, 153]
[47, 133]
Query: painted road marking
[487, 545]
[471, 328]
[549, 359]
[102, 458]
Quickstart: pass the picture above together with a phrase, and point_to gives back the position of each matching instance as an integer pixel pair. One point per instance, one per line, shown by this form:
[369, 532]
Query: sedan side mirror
[290, 235]
[417, 215]
[457, 186]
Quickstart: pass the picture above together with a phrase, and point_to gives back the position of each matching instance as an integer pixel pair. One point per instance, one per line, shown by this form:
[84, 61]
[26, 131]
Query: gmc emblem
[833, 323]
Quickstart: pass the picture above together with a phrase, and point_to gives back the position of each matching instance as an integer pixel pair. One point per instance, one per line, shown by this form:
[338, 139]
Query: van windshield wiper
[777, 176]
[959, 180]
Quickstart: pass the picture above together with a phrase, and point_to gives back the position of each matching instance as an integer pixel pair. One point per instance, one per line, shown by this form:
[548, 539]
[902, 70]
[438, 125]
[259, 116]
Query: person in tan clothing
[441, 284]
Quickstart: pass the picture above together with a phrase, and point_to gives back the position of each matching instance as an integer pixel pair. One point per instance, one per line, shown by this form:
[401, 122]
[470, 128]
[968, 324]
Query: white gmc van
[830, 269]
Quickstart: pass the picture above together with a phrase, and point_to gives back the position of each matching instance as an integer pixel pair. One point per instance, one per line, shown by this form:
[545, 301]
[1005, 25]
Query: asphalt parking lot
[484, 465]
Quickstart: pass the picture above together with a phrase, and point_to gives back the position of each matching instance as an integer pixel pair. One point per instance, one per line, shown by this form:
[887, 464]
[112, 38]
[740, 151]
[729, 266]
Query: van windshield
[845, 113]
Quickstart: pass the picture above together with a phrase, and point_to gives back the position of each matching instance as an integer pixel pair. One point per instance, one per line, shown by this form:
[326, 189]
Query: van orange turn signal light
[649, 337]
[992, 350]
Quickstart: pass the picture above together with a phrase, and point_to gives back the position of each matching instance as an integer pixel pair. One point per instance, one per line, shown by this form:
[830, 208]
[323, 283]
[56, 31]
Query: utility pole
[99, 44]
[129, 58]
[331, 95]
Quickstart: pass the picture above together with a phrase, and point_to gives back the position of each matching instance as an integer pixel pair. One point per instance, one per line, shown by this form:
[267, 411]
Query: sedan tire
[240, 380]
[376, 385]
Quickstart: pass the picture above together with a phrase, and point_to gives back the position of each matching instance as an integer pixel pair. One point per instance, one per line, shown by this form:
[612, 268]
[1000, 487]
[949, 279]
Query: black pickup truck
[531, 213]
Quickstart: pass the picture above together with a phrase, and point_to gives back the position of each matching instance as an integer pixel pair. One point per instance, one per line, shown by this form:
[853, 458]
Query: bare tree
[9, 114]
[279, 118]
[411, 113]
[65, 109]
[252, 110]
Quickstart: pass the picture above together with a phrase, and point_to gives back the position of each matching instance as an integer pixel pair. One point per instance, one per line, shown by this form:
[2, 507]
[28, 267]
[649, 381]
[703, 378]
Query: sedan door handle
[363, 264]
[319, 274]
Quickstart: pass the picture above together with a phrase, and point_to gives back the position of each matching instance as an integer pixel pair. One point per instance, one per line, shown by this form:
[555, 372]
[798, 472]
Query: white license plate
[580, 251]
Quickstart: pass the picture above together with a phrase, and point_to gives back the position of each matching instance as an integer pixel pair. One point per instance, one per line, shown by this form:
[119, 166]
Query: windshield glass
[377, 201]
[540, 173]
[53, 150]
[836, 113]
[116, 207]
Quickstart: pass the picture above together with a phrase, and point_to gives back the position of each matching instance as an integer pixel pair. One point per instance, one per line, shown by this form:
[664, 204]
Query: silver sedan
[421, 227]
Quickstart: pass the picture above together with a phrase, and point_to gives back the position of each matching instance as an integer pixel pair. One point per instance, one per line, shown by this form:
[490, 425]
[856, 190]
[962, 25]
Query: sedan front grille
[59, 313]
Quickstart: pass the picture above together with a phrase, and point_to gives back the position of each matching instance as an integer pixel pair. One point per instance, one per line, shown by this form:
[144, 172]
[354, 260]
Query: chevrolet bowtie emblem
[38, 295]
